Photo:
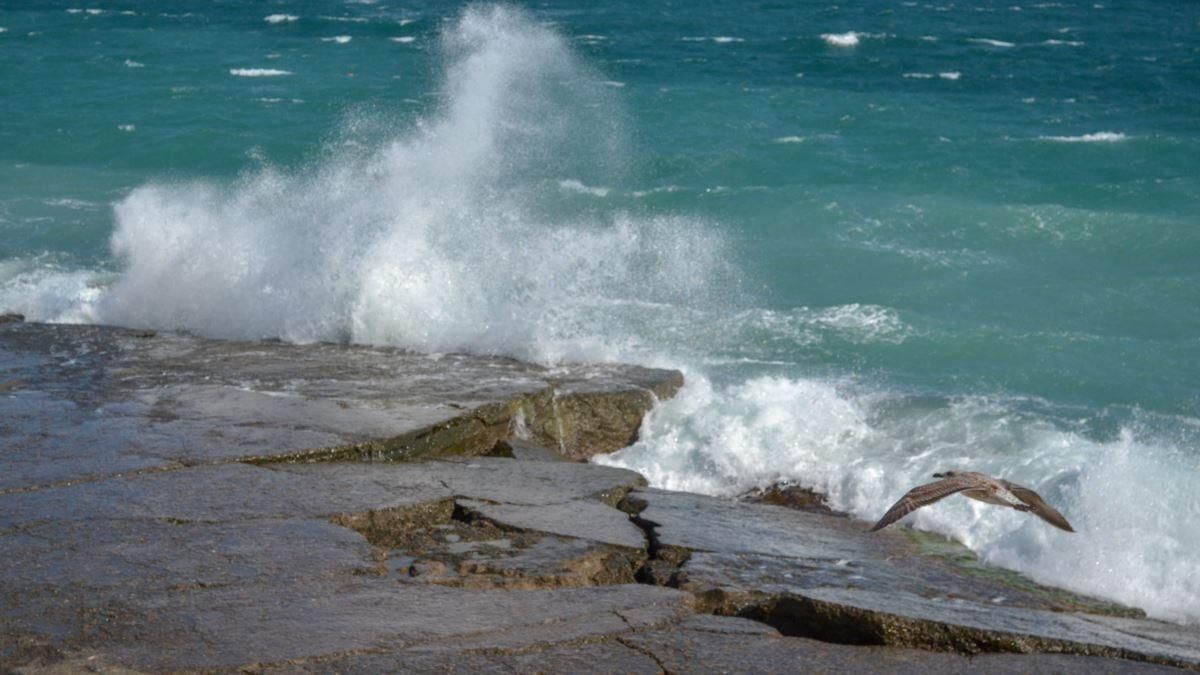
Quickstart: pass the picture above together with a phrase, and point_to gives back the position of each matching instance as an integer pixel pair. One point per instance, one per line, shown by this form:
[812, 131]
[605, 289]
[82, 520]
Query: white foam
[281, 18]
[126, 127]
[72, 203]
[3, 29]
[1066, 43]
[340, 39]
[403, 39]
[791, 139]
[45, 291]
[435, 237]
[991, 43]
[130, 63]
[658, 190]
[94, 12]
[719, 39]
[850, 39]
[919, 76]
[950, 75]
[578, 187]
[1098, 137]
[614, 83]
[405, 22]
[864, 448]
[258, 72]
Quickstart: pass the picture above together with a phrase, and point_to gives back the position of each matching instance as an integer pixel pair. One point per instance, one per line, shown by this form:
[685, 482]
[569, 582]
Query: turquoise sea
[880, 238]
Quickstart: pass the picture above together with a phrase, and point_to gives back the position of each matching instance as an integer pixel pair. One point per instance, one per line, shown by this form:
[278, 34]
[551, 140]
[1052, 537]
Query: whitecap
[654, 191]
[919, 76]
[130, 63]
[791, 139]
[719, 39]
[258, 72]
[991, 43]
[280, 18]
[1067, 43]
[403, 39]
[1098, 137]
[126, 127]
[340, 39]
[850, 39]
[572, 185]
[950, 75]
[614, 83]
[72, 203]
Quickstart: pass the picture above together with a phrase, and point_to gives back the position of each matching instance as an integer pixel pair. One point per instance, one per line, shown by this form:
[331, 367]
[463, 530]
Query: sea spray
[449, 235]
[1130, 498]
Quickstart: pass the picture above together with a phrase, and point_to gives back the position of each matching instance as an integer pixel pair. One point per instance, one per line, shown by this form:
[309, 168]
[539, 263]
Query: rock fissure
[647, 652]
[663, 563]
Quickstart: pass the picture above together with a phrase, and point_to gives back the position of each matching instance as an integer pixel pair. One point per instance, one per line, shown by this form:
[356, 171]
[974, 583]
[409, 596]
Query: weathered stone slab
[81, 402]
[587, 657]
[498, 480]
[701, 651]
[827, 577]
[706, 644]
[228, 564]
[577, 518]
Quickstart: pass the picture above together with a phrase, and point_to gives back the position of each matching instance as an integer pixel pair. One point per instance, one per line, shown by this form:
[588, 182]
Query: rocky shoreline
[169, 503]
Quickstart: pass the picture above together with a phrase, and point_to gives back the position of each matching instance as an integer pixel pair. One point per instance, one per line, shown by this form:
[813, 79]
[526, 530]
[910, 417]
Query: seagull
[976, 486]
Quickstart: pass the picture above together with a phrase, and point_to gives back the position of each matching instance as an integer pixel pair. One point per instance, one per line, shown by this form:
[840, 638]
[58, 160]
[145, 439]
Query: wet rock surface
[171, 503]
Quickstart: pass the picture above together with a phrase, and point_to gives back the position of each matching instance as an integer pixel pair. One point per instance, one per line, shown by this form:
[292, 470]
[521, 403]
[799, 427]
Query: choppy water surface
[880, 240]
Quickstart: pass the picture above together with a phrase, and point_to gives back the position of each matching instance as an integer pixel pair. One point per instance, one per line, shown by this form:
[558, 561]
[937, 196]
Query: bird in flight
[976, 486]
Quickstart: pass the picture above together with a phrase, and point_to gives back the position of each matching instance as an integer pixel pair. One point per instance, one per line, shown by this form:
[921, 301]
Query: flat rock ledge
[169, 503]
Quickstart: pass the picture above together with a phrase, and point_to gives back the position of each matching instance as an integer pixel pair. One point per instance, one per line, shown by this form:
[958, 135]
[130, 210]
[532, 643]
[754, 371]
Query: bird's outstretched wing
[1039, 506]
[923, 495]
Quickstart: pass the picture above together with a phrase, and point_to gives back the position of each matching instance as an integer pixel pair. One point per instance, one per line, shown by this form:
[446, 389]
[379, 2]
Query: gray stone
[81, 402]
[823, 576]
[577, 518]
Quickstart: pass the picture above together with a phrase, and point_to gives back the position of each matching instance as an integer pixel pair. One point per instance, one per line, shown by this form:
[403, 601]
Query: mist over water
[854, 294]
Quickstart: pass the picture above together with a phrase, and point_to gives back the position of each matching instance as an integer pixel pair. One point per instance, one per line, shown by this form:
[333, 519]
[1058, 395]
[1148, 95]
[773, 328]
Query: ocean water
[881, 239]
